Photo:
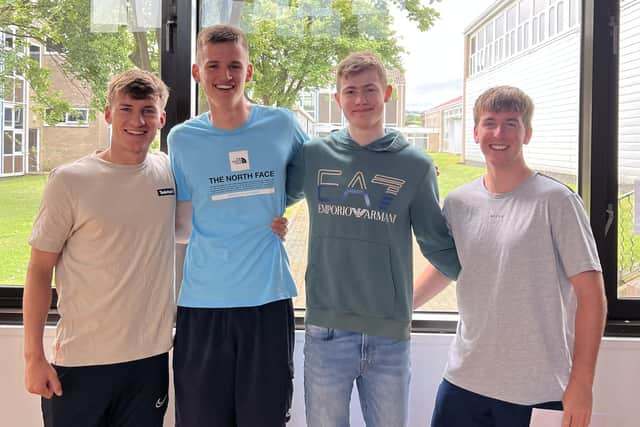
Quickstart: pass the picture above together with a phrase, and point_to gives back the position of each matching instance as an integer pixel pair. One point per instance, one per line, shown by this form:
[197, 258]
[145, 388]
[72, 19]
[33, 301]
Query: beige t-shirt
[113, 226]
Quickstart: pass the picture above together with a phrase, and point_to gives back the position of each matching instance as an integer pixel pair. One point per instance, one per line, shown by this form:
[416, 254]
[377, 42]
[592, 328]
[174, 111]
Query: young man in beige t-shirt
[106, 226]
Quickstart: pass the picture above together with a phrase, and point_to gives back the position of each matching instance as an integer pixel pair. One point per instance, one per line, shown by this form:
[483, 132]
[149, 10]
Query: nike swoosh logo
[161, 402]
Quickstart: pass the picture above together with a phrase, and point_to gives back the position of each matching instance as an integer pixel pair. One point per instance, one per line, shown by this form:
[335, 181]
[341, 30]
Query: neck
[122, 158]
[365, 136]
[505, 179]
[229, 118]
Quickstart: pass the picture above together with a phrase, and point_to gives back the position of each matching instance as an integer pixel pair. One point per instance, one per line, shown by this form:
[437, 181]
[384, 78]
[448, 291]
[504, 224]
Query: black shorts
[234, 366]
[129, 394]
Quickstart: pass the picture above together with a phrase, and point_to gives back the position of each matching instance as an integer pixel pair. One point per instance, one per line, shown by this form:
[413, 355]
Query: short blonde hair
[138, 84]
[504, 99]
[221, 33]
[357, 62]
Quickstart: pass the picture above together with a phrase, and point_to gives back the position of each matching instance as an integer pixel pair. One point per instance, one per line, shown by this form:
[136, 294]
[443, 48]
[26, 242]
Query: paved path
[296, 245]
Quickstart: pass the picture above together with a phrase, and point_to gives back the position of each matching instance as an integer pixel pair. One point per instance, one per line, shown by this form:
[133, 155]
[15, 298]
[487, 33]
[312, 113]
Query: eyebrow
[368, 85]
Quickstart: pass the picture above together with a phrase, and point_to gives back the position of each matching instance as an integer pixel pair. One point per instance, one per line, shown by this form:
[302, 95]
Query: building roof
[444, 105]
[495, 7]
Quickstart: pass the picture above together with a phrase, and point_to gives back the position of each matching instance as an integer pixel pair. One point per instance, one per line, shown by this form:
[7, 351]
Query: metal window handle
[169, 27]
[610, 214]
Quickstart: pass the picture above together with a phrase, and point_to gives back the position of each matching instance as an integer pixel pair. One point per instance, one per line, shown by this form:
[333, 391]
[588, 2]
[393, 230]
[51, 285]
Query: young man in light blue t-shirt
[233, 350]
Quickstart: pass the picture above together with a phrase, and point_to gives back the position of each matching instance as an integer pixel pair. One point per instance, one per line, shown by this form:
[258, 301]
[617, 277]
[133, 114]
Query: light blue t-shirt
[235, 181]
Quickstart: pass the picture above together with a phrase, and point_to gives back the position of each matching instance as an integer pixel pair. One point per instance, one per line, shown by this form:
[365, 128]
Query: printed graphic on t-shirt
[246, 184]
[239, 161]
[337, 199]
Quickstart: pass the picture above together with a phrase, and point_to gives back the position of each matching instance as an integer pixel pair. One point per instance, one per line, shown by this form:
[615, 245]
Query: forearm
[35, 308]
[430, 283]
[589, 326]
[184, 212]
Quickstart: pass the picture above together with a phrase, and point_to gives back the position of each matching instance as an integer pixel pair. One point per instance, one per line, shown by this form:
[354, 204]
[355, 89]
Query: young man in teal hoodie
[366, 190]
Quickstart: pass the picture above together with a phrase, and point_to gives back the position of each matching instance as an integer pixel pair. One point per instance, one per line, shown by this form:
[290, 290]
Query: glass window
[543, 27]
[488, 30]
[19, 90]
[552, 21]
[499, 23]
[511, 18]
[8, 117]
[18, 143]
[573, 12]
[9, 41]
[628, 287]
[539, 6]
[560, 16]
[34, 53]
[30, 146]
[7, 142]
[19, 117]
[8, 89]
[525, 10]
[79, 116]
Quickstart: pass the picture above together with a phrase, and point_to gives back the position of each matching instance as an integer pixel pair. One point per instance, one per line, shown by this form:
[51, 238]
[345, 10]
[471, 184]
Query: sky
[435, 59]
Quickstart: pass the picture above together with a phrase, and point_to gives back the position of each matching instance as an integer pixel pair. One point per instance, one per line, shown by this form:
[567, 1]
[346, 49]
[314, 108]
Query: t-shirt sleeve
[54, 222]
[183, 191]
[295, 166]
[298, 135]
[573, 237]
[430, 227]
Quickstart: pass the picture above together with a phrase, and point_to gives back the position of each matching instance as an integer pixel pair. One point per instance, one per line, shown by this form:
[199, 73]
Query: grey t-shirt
[517, 307]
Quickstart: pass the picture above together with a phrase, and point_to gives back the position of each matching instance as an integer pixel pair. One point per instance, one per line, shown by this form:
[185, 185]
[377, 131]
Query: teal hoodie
[363, 203]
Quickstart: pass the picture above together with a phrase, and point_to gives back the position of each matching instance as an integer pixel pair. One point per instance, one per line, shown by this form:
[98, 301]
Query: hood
[392, 141]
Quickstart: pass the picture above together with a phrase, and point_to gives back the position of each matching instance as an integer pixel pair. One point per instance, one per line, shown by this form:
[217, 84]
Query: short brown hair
[138, 84]
[221, 33]
[357, 62]
[504, 99]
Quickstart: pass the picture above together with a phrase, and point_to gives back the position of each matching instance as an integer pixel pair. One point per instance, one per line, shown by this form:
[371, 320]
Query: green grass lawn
[20, 198]
[453, 173]
[19, 201]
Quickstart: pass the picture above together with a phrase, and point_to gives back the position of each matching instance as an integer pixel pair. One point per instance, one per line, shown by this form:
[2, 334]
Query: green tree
[87, 57]
[295, 45]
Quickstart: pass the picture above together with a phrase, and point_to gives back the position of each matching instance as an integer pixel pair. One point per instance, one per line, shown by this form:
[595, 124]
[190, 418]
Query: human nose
[140, 119]
[362, 98]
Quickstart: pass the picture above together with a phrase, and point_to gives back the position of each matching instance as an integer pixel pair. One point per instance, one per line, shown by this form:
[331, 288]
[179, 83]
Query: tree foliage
[86, 58]
[295, 44]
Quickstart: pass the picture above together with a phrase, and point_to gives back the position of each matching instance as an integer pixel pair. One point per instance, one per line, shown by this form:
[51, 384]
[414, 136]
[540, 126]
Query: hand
[577, 403]
[279, 226]
[40, 378]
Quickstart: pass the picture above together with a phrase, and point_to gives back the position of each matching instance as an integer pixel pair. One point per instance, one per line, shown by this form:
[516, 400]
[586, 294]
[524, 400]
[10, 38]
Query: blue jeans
[333, 359]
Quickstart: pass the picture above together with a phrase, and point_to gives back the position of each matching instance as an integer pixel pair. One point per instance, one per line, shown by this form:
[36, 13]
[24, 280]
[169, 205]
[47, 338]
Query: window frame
[598, 182]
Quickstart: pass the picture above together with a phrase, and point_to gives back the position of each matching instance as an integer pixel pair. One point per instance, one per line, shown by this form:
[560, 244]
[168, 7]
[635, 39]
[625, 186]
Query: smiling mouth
[498, 147]
[224, 87]
[135, 132]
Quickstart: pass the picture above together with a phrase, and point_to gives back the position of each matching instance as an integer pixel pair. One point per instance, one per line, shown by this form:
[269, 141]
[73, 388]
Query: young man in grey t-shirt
[530, 292]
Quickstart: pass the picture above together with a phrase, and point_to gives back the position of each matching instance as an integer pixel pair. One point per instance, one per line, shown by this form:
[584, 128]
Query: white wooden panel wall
[549, 74]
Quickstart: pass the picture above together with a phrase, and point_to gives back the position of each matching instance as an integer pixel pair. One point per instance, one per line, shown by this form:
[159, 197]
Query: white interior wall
[617, 381]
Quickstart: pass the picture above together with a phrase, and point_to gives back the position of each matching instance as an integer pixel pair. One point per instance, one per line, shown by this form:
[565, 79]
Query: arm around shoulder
[184, 211]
